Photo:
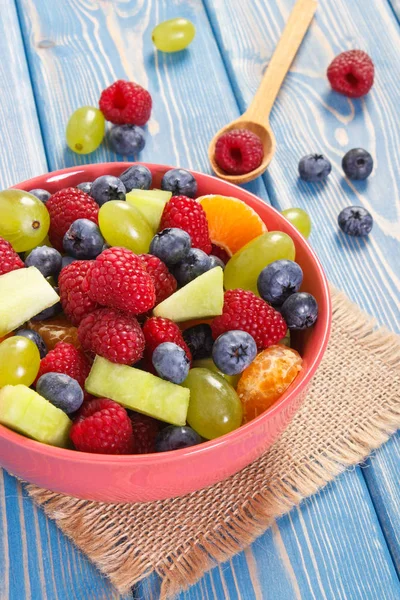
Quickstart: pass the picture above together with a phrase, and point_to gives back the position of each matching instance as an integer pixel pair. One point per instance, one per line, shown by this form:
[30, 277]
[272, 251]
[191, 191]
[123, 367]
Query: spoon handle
[292, 36]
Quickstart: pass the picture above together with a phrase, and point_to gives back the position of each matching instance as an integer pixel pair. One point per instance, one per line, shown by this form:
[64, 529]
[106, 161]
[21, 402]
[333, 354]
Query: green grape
[173, 35]
[244, 267]
[85, 129]
[300, 219]
[214, 406]
[19, 361]
[123, 225]
[286, 340]
[208, 363]
[24, 219]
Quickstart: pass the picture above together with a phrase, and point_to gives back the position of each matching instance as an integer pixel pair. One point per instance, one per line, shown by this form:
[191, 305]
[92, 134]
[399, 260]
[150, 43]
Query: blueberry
[43, 195]
[106, 188]
[171, 245]
[179, 181]
[355, 220]
[170, 362]
[357, 164]
[47, 260]
[314, 167]
[85, 186]
[233, 351]
[195, 263]
[200, 340]
[137, 177]
[61, 390]
[83, 240]
[35, 338]
[216, 262]
[174, 438]
[67, 260]
[300, 311]
[278, 280]
[126, 139]
[48, 313]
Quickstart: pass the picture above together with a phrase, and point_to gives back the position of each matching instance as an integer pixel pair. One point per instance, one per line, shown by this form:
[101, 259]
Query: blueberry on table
[62, 391]
[278, 280]
[47, 260]
[41, 194]
[300, 310]
[106, 188]
[137, 177]
[233, 351]
[195, 263]
[179, 182]
[357, 164]
[48, 313]
[171, 245]
[83, 240]
[356, 221]
[171, 362]
[35, 338]
[215, 261]
[126, 139]
[174, 438]
[314, 167]
[200, 340]
[85, 186]
[67, 260]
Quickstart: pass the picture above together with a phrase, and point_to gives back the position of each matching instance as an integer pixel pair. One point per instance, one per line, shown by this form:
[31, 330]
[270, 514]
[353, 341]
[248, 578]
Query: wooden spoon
[256, 117]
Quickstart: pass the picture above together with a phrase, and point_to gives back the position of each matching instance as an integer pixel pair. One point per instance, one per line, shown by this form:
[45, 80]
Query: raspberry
[158, 330]
[220, 253]
[164, 282]
[65, 358]
[239, 151]
[75, 302]
[351, 73]
[113, 335]
[118, 278]
[126, 102]
[9, 259]
[244, 310]
[187, 214]
[103, 427]
[145, 430]
[65, 207]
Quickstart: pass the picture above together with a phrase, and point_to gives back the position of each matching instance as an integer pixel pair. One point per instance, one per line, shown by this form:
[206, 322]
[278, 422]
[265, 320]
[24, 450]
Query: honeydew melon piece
[26, 412]
[23, 294]
[150, 203]
[202, 297]
[138, 390]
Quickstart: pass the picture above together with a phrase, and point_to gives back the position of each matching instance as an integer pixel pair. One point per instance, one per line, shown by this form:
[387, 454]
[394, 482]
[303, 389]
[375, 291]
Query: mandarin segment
[231, 223]
[57, 329]
[267, 378]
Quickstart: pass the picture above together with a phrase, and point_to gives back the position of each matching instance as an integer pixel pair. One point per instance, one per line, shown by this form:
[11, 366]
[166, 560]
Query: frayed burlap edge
[189, 561]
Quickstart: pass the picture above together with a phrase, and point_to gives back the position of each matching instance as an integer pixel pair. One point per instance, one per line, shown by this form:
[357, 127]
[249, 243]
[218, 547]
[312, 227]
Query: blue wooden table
[56, 56]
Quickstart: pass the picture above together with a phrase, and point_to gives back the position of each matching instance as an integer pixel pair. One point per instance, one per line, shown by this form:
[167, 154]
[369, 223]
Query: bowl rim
[208, 446]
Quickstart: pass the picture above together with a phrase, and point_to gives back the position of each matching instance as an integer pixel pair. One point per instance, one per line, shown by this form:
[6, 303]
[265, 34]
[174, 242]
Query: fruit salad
[136, 320]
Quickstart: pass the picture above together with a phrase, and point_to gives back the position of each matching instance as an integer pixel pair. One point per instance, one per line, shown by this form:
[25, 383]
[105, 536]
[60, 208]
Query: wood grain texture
[75, 49]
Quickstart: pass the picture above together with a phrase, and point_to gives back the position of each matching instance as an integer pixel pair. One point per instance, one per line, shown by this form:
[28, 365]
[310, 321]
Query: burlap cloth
[352, 406]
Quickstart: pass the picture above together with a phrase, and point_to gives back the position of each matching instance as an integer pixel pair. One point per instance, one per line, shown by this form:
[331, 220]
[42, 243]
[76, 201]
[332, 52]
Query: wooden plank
[308, 117]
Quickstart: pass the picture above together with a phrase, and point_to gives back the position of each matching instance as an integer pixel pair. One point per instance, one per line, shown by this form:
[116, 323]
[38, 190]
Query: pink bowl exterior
[158, 476]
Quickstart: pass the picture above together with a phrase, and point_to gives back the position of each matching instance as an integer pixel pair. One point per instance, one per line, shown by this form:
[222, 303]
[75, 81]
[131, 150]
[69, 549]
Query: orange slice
[232, 224]
[267, 378]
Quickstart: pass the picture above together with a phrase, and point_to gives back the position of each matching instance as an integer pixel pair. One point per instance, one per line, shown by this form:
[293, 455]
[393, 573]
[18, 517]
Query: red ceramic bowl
[158, 476]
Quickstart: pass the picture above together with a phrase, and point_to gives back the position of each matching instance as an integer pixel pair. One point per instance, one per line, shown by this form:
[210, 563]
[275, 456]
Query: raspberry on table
[126, 102]
[164, 282]
[65, 358]
[351, 73]
[65, 207]
[244, 310]
[9, 259]
[75, 301]
[187, 214]
[118, 278]
[239, 151]
[112, 334]
[145, 430]
[103, 427]
[156, 331]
